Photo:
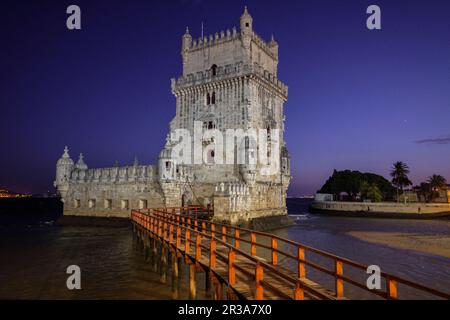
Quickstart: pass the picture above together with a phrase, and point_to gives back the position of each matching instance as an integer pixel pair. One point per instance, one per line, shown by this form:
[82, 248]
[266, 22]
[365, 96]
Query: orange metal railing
[181, 223]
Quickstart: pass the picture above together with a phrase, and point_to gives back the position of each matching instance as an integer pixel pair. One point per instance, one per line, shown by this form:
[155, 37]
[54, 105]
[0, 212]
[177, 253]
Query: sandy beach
[438, 245]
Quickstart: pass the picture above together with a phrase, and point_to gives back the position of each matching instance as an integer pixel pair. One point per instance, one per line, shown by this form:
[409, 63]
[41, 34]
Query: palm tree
[399, 174]
[436, 182]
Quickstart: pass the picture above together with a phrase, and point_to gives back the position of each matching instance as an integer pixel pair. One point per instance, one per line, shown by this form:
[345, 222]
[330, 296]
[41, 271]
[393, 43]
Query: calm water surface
[33, 260]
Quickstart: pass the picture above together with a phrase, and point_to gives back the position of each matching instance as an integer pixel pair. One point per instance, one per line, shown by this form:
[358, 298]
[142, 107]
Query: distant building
[5, 193]
[417, 195]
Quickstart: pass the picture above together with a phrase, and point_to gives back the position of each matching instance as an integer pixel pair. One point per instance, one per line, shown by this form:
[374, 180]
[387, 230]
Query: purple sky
[358, 99]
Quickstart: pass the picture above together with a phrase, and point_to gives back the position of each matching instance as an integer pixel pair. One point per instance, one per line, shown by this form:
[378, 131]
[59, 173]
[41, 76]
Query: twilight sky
[358, 99]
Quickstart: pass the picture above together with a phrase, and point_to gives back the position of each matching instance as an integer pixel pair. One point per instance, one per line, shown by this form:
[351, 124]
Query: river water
[33, 259]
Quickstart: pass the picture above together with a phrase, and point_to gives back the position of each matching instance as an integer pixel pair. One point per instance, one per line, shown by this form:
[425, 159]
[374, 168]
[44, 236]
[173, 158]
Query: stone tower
[229, 81]
[229, 114]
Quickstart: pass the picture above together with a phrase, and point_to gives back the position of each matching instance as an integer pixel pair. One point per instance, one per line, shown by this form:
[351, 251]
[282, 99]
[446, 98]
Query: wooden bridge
[246, 264]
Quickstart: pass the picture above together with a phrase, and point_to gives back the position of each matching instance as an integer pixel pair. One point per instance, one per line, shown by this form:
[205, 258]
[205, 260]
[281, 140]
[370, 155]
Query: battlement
[215, 39]
[228, 72]
[228, 35]
[229, 47]
[139, 173]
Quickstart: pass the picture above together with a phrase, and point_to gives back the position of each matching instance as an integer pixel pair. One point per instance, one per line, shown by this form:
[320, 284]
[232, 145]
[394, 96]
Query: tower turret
[246, 22]
[166, 164]
[186, 44]
[246, 30]
[81, 165]
[64, 167]
[273, 45]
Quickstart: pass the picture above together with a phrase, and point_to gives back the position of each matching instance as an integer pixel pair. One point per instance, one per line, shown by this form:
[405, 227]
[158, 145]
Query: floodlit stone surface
[229, 81]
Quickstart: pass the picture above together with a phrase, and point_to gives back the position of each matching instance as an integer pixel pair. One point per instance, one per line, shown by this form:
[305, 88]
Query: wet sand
[437, 245]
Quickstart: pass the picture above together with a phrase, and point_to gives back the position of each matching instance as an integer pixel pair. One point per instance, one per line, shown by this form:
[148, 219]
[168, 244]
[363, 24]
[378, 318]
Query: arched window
[213, 98]
[208, 99]
[214, 70]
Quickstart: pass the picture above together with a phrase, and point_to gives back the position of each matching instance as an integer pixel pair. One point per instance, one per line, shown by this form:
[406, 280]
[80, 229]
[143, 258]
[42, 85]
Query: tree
[436, 182]
[351, 182]
[370, 191]
[399, 174]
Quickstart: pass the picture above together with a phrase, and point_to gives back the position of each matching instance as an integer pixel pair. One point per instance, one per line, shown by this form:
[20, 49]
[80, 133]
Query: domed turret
[166, 164]
[187, 40]
[81, 165]
[246, 22]
[64, 167]
[185, 46]
[246, 30]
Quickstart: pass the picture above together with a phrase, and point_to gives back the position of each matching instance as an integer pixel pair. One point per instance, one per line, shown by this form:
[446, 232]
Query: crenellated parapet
[214, 39]
[140, 173]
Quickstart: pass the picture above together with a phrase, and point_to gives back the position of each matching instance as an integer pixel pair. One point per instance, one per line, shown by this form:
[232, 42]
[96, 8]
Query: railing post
[198, 247]
[274, 251]
[253, 244]
[339, 272]
[212, 254]
[213, 230]
[391, 288]
[187, 243]
[259, 273]
[178, 239]
[301, 263]
[164, 229]
[196, 225]
[299, 293]
[224, 234]
[204, 227]
[231, 268]
[236, 238]
[170, 233]
[160, 228]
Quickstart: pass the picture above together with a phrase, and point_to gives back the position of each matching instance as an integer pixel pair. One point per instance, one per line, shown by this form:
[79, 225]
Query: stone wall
[384, 207]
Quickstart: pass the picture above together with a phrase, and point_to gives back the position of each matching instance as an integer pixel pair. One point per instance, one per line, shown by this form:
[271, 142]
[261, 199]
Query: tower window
[91, 203]
[214, 69]
[108, 203]
[212, 153]
[124, 204]
[213, 98]
[208, 99]
[142, 204]
[247, 24]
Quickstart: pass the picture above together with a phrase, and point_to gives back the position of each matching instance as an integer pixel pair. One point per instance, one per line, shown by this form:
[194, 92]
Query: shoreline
[382, 210]
[430, 244]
